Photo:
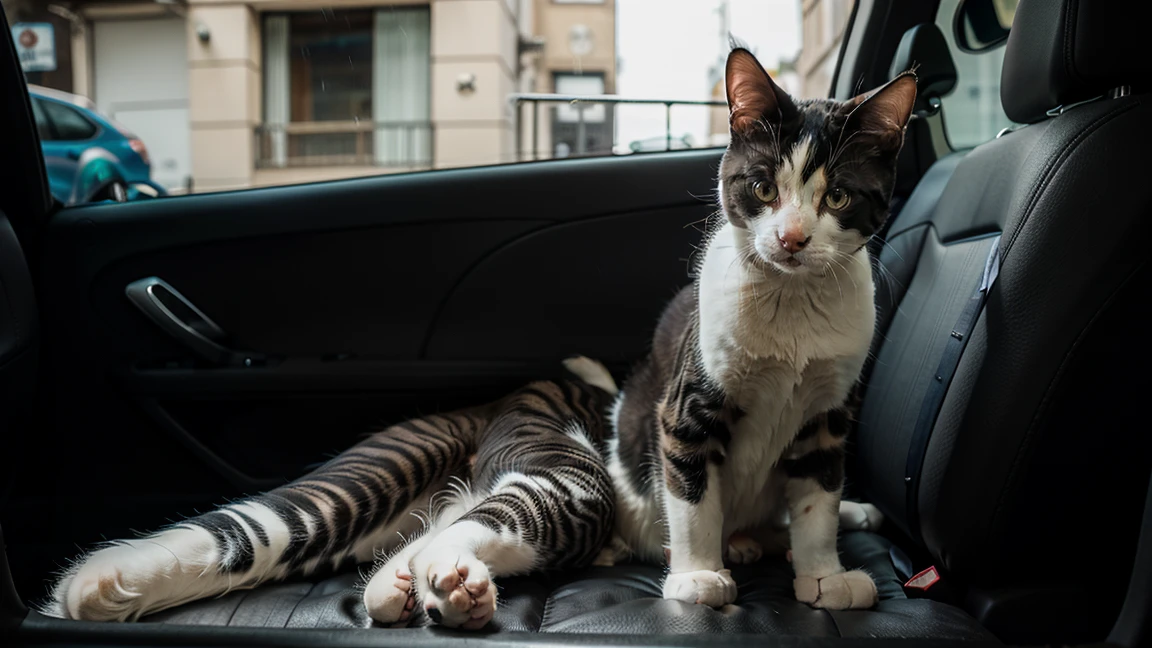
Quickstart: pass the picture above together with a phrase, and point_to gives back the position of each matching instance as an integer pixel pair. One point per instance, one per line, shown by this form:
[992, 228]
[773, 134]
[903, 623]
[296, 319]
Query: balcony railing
[580, 113]
[400, 145]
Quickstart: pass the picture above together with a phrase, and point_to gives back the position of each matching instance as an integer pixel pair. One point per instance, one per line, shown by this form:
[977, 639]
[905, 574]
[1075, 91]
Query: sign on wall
[35, 46]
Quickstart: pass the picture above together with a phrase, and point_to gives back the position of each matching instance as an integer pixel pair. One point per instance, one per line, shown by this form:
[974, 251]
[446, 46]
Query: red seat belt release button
[924, 580]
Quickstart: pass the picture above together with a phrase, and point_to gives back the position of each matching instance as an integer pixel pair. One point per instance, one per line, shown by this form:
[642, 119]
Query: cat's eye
[837, 198]
[765, 191]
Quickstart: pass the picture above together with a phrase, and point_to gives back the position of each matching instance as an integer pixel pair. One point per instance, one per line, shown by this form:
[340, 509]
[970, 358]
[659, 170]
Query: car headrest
[1060, 52]
[923, 47]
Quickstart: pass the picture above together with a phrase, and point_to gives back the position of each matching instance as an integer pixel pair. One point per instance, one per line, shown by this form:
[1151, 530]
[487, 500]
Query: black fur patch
[826, 466]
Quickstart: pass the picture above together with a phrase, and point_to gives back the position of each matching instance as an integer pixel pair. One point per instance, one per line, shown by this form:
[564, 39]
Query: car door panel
[373, 300]
[596, 286]
[315, 294]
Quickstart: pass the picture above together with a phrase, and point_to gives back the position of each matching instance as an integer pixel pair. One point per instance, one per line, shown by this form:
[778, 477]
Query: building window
[581, 128]
[330, 66]
[347, 88]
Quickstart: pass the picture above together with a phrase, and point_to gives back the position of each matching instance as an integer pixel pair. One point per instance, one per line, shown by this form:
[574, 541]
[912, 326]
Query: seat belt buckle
[918, 585]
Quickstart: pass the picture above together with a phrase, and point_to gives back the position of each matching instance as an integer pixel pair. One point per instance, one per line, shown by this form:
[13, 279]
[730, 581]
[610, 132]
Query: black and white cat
[736, 421]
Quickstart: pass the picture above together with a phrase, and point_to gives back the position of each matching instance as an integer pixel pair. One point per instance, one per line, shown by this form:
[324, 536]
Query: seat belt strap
[938, 388]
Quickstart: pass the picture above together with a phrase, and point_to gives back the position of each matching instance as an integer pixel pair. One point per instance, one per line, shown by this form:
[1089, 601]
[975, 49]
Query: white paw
[743, 550]
[122, 583]
[852, 590]
[706, 587]
[455, 587]
[859, 516]
[592, 372]
[389, 596]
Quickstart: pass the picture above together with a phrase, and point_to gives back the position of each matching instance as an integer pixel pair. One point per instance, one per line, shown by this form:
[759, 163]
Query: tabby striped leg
[555, 511]
[500, 537]
[389, 595]
[350, 508]
[815, 468]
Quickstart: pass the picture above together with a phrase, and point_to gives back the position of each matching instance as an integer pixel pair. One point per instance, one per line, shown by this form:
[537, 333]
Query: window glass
[43, 128]
[267, 93]
[972, 111]
[67, 122]
[346, 88]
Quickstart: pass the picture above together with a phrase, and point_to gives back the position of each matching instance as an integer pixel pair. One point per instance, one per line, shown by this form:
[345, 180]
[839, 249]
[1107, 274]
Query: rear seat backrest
[1035, 462]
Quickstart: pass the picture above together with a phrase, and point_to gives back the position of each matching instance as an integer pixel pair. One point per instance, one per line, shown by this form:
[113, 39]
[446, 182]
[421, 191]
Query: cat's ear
[752, 95]
[885, 111]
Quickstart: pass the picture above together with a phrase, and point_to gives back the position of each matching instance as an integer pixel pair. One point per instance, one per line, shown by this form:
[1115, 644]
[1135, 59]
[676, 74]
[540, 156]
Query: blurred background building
[240, 93]
[822, 30]
[262, 92]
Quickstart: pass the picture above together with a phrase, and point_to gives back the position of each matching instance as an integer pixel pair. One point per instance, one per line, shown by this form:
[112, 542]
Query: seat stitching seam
[1069, 36]
[237, 608]
[1053, 165]
[297, 604]
[835, 625]
[547, 610]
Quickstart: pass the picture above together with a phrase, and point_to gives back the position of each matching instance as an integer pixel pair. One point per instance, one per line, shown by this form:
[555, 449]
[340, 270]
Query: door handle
[72, 154]
[178, 317]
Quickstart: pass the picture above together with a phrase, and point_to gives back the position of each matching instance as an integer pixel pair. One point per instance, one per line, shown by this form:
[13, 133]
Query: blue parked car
[89, 157]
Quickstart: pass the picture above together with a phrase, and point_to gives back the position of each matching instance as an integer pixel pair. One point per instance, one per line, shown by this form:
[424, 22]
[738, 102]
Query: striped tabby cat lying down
[478, 494]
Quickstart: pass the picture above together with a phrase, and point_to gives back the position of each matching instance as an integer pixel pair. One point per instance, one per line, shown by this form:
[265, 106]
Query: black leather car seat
[1026, 488]
[1032, 457]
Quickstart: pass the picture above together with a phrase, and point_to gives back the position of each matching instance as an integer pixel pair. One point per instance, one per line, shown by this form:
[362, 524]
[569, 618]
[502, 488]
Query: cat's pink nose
[793, 240]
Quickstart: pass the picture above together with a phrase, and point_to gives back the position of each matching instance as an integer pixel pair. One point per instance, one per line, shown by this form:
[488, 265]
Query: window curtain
[401, 87]
[276, 90]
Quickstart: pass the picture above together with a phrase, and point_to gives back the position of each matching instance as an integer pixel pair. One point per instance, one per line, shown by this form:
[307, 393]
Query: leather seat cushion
[623, 600]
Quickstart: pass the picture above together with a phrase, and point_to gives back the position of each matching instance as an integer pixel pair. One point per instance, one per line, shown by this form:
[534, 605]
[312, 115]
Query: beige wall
[823, 25]
[554, 21]
[469, 37]
[223, 106]
[477, 38]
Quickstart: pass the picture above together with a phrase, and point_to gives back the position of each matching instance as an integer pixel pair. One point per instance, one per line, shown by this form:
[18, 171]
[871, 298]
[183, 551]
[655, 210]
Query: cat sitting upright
[736, 419]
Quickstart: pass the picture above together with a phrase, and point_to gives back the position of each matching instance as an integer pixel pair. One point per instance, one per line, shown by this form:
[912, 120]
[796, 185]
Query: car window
[67, 123]
[972, 111]
[272, 93]
[43, 126]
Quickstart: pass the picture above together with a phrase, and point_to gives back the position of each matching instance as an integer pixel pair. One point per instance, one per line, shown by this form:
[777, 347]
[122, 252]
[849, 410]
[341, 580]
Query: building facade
[822, 29]
[230, 94]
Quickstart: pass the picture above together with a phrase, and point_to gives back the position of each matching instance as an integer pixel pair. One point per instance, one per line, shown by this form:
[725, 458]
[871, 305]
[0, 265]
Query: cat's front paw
[389, 596]
[706, 587]
[457, 589]
[853, 590]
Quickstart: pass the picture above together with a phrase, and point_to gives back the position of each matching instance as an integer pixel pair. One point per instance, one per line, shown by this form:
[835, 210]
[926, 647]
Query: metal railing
[402, 145]
[581, 105]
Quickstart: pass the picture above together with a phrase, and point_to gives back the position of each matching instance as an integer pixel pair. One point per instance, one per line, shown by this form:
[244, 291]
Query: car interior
[1002, 406]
